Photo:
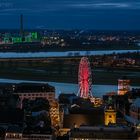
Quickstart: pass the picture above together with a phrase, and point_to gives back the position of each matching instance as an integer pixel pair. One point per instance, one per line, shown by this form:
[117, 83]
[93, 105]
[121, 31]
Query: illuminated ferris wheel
[84, 78]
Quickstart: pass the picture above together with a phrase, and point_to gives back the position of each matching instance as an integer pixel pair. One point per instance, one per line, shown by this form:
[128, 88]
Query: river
[97, 90]
[60, 54]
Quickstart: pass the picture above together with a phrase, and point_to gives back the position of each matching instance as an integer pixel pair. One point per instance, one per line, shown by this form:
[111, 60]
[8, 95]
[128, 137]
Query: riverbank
[61, 54]
[65, 69]
[102, 78]
[35, 47]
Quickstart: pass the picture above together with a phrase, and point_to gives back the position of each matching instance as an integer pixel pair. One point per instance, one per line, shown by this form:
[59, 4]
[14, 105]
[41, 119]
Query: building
[102, 133]
[50, 96]
[110, 116]
[8, 101]
[2, 133]
[33, 91]
[11, 116]
[13, 133]
[54, 114]
[123, 86]
[138, 131]
[38, 134]
[35, 136]
[17, 39]
[67, 99]
[34, 36]
[79, 116]
[135, 109]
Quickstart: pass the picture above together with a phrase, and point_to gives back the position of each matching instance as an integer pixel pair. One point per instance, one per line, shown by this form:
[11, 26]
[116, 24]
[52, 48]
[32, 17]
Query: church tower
[109, 116]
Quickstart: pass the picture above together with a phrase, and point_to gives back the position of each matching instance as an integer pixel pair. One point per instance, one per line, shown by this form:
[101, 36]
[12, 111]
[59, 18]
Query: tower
[21, 25]
[123, 86]
[109, 116]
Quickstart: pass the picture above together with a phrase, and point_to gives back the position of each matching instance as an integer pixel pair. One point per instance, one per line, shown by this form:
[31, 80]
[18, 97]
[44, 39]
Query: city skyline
[70, 14]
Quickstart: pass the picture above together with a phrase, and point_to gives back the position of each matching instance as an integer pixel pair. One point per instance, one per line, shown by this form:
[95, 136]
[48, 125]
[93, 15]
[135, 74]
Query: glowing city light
[84, 78]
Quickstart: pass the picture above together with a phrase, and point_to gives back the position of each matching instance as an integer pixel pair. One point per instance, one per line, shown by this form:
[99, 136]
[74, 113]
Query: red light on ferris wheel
[84, 78]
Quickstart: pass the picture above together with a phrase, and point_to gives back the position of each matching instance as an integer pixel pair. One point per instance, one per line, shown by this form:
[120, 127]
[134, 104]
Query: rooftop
[37, 130]
[91, 119]
[14, 129]
[115, 128]
[103, 132]
[131, 120]
[26, 87]
[137, 102]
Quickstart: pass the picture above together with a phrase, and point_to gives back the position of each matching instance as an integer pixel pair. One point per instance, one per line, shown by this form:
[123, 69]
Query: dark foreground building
[102, 133]
[81, 116]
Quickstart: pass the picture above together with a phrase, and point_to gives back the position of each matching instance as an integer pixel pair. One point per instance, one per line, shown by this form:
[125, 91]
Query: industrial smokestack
[21, 25]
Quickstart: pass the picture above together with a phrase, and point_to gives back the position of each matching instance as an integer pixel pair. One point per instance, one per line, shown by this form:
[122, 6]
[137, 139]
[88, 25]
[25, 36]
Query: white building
[33, 91]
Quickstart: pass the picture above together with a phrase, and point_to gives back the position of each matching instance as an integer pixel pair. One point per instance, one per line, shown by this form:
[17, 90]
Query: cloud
[107, 5]
[117, 5]
[5, 4]
[31, 7]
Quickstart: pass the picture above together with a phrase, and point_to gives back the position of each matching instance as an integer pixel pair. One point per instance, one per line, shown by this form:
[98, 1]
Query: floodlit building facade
[123, 86]
[110, 116]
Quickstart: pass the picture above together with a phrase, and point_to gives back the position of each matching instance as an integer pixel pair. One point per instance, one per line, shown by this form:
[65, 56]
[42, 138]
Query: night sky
[71, 14]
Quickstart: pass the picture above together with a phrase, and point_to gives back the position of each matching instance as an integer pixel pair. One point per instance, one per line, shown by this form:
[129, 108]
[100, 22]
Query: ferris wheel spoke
[84, 78]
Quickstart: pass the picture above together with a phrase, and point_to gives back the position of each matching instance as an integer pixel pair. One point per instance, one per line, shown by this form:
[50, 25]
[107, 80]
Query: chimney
[21, 25]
